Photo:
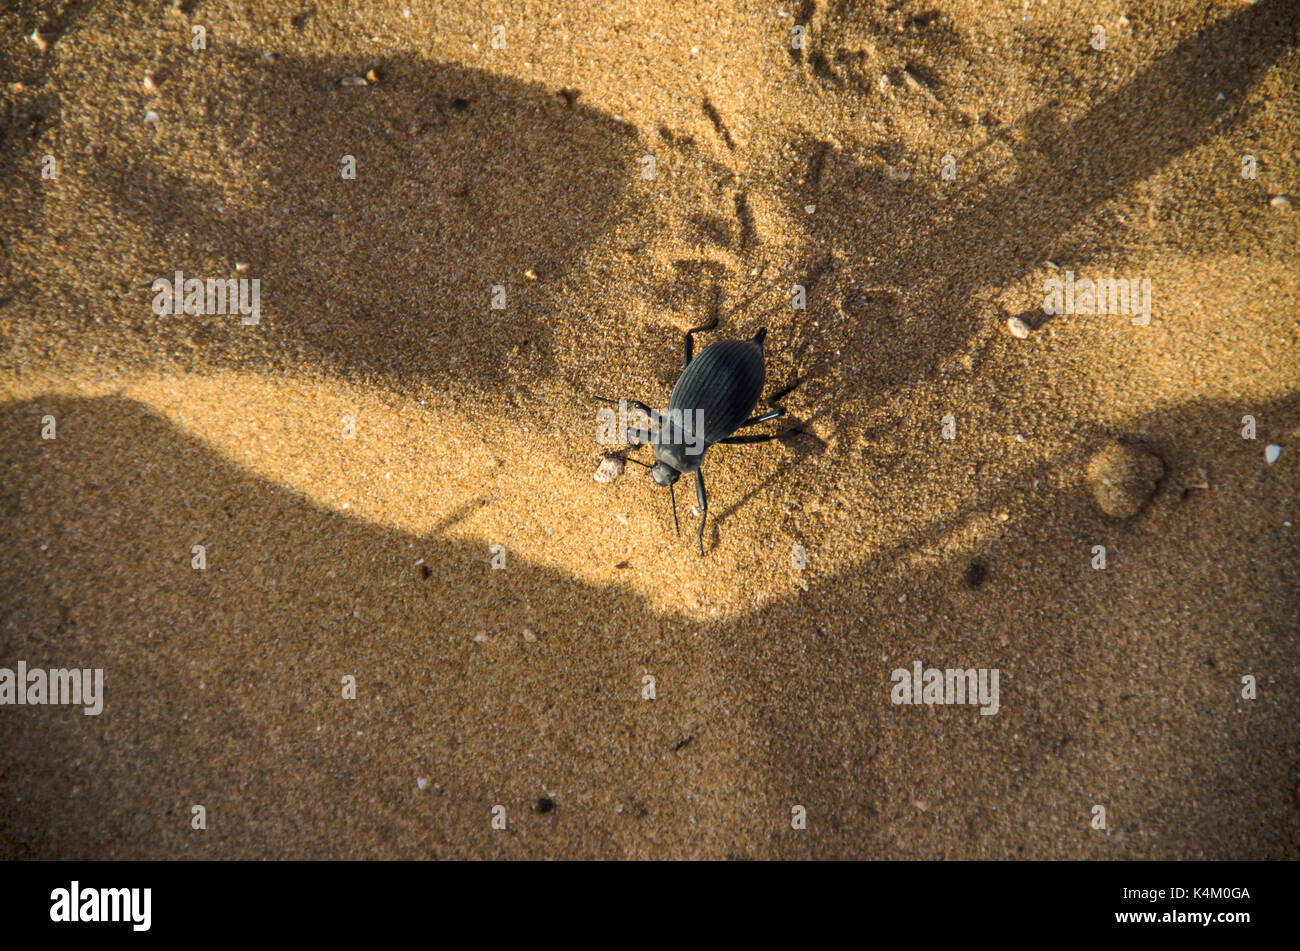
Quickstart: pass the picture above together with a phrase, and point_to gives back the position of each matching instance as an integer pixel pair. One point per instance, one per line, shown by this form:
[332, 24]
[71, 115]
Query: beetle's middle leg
[774, 414]
[702, 497]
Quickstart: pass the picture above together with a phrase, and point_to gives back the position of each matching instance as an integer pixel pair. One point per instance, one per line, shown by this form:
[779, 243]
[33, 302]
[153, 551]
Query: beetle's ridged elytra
[725, 380]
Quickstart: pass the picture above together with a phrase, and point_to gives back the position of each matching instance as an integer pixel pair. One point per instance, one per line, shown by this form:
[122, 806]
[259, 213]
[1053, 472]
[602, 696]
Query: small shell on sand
[610, 468]
[1018, 328]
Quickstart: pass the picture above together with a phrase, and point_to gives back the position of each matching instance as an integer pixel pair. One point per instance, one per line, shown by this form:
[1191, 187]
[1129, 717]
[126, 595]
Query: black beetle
[712, 399]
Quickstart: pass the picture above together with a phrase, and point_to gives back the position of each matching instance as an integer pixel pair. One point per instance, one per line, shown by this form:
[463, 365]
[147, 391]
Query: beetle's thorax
[679, 441]
[678, 457]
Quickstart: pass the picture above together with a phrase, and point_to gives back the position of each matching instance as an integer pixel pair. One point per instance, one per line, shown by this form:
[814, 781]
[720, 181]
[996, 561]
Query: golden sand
[349, 463]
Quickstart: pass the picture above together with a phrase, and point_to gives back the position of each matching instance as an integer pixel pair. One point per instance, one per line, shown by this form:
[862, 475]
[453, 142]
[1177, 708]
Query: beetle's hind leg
[760, 437]
[690, 341]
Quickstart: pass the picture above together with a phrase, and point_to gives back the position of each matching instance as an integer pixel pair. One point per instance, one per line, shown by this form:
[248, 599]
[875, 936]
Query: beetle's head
[664, 474]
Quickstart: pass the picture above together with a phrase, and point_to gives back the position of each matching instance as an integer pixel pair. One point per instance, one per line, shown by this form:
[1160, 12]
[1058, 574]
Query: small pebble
[480, 638]
[373, 76]
[38, 38]
[530, 274]
[1280, 202]
[352, 81]
[810, 208]
[151, 117]
[610, 468]
[1271, 454]
[421, 783]
[1123, 478]
[1019, 329]
[149, 82]
[529, 636]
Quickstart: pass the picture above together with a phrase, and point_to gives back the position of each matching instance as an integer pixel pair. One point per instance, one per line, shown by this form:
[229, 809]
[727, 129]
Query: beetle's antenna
[638, 462]
[674, 498]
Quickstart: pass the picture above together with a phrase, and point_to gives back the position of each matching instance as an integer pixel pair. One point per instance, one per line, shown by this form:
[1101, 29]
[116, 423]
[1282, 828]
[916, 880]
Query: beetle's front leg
[703, 498]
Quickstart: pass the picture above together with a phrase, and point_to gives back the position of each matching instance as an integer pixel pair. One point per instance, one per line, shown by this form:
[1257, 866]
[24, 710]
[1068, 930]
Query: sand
[622, 171]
